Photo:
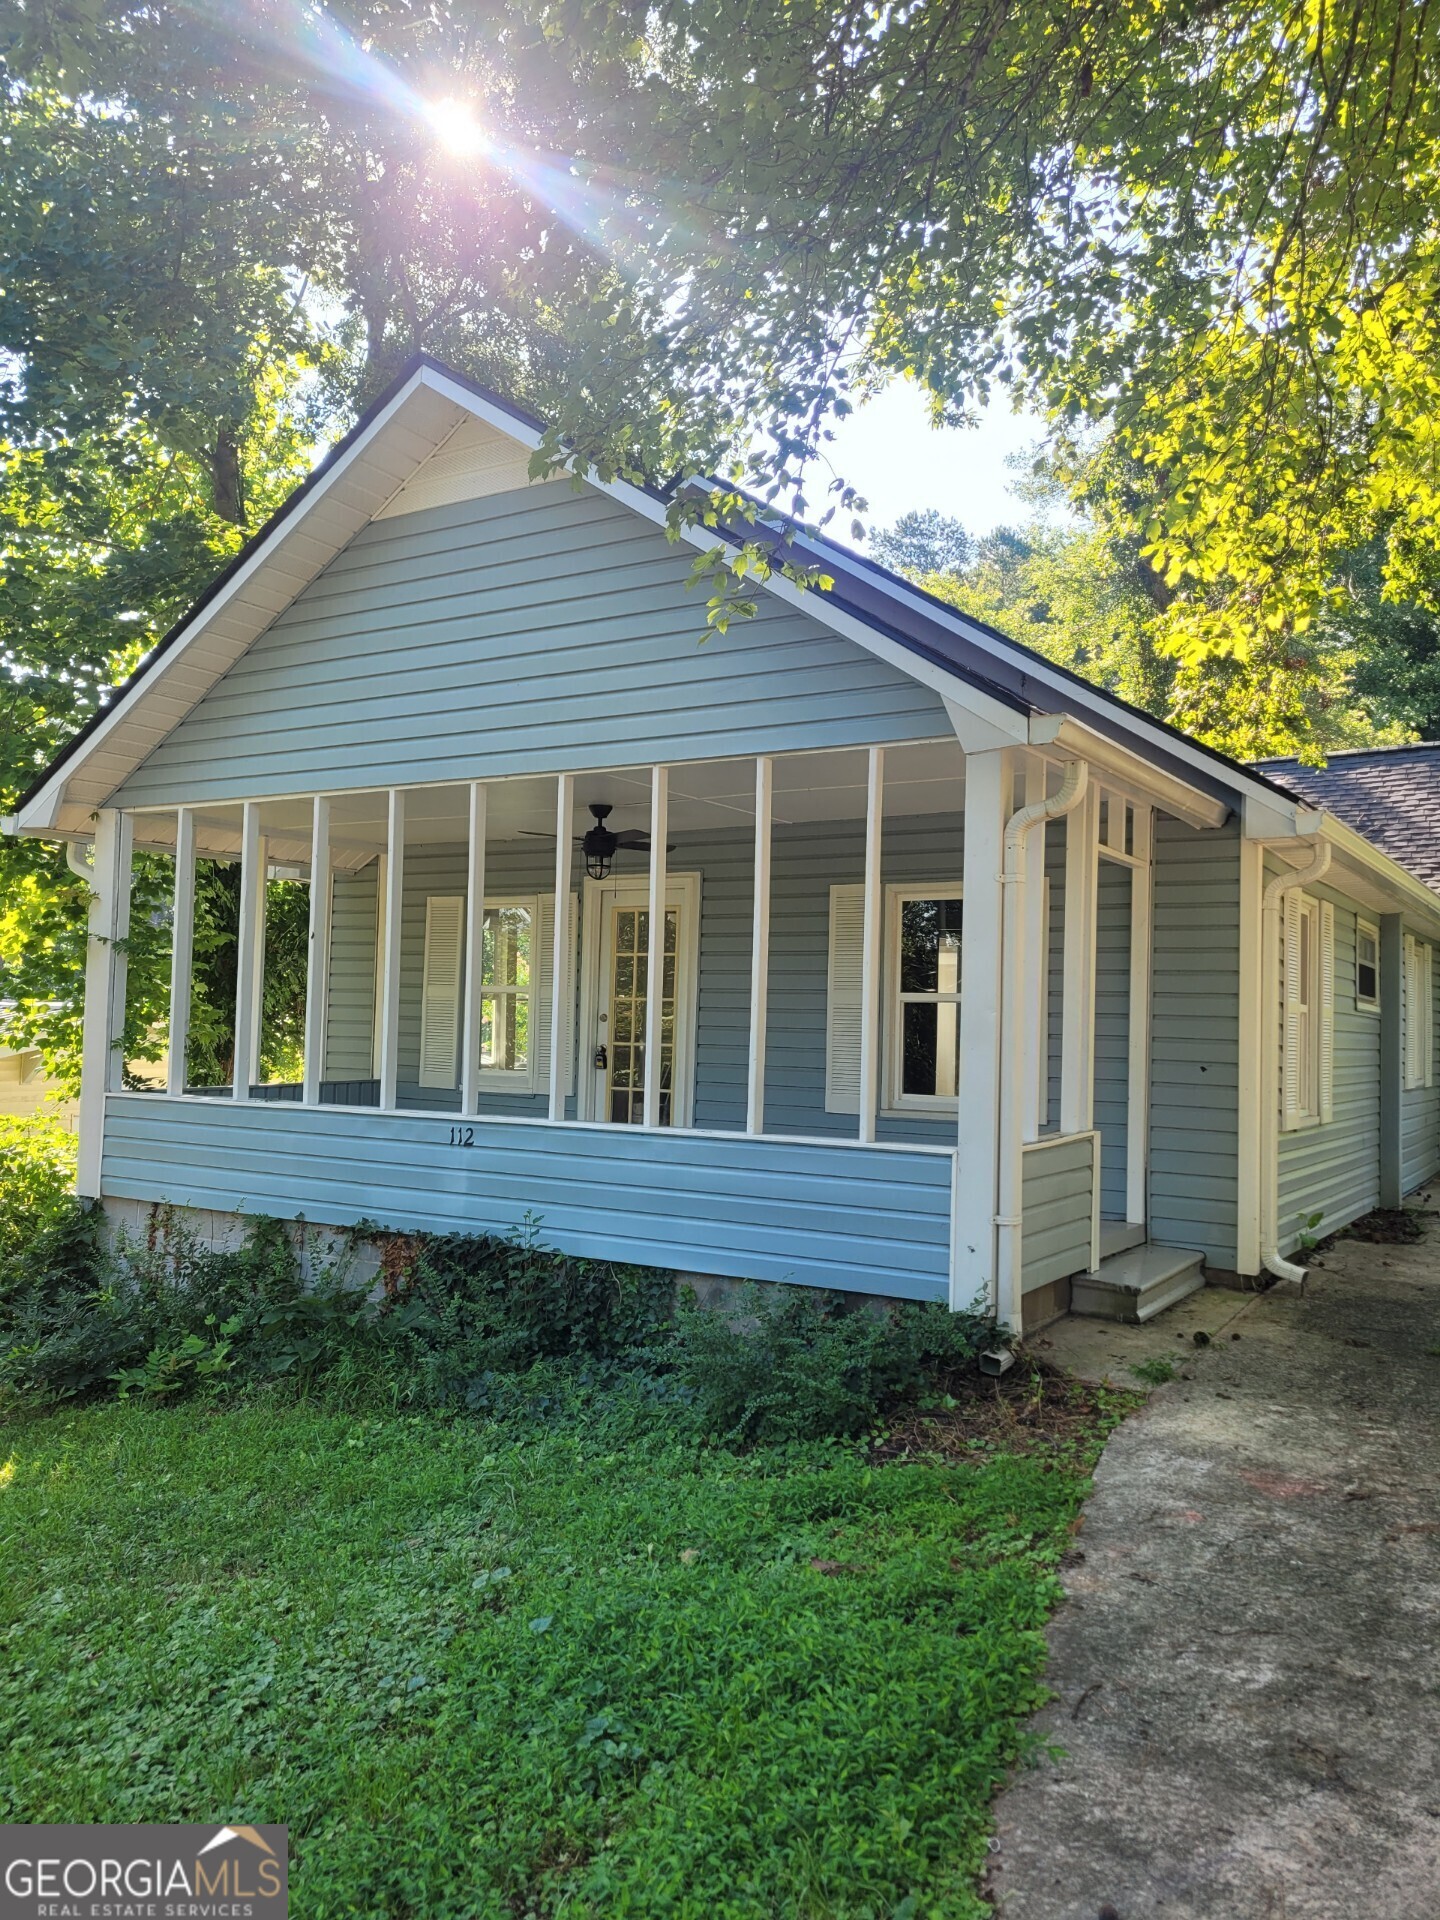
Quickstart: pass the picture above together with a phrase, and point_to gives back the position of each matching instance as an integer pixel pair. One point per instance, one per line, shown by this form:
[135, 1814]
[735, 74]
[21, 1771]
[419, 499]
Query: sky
[898, 461]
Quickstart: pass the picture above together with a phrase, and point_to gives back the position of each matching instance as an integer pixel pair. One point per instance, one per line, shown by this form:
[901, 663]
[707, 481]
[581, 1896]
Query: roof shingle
[1390, 794]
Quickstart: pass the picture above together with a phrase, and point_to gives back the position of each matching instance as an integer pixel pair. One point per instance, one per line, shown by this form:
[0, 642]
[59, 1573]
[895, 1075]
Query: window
[1419, 1013]
[507, 989]
[1308, 1002]
[1367, 966]
[921, 998]
[514, 993]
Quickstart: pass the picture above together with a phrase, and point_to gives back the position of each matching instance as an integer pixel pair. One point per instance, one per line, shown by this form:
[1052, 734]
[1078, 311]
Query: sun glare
[455, 127]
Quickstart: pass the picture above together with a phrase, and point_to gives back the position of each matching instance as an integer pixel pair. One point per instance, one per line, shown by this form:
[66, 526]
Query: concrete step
[1138, 1284]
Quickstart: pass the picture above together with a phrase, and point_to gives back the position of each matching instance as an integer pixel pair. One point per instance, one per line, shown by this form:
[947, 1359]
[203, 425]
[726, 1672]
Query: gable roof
[363, 476]
[1390, 794]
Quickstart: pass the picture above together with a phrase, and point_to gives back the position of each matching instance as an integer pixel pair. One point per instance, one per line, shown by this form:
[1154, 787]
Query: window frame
[896, 1100]
[1367, 1003]
[1419, 1050]
[514, 1079]
[1317, 1010]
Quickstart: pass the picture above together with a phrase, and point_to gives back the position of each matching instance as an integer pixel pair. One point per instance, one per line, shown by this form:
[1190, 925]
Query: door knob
[602, 1059]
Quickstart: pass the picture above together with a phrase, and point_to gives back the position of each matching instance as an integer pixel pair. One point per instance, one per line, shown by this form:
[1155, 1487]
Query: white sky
[898, 461]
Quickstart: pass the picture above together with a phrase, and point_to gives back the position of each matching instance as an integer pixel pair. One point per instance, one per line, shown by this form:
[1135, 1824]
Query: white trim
[682, 891]
[1419, 1057]
[870, 945]
[1370, 1003]
[447, 1120]
[562, 1008]
[1077, 1055]
[1137, 1101]
[534, 1076]
[896, 1101]
[989, 790]
[760, 946]
[317, 974]
[392, 929]
[655, 960]
[472, 989]
[1035, 1039]
[1255, 1079]
[249, 954]
[182, 949]
[108, 914]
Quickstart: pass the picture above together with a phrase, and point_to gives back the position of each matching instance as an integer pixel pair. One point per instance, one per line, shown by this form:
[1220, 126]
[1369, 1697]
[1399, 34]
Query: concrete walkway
[1248, 1664]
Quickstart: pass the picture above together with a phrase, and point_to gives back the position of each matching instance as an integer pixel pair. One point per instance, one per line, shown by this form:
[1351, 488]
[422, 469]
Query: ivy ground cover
[543, 1668]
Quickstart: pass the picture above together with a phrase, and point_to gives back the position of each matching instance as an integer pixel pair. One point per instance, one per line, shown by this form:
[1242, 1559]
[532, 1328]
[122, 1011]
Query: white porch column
[870, 946]
[988, 799]
[1137, 1108]
[249, 954]
[1256, 1085]
[760, 945]
[562, 1007]
[1077, 1059]
[474, 952]
[182, 948]
[655, 966]
[109, 923]
[393, 907]
[317, 970]
[1035, 997]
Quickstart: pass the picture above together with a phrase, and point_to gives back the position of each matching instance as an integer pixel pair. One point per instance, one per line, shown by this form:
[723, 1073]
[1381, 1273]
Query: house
[25, 1086]
[975, 981]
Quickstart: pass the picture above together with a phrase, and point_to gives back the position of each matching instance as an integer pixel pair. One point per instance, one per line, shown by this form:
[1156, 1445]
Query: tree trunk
[227, 491]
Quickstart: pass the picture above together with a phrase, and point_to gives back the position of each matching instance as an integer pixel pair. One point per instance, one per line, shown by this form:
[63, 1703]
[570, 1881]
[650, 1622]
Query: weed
[1154, 1372]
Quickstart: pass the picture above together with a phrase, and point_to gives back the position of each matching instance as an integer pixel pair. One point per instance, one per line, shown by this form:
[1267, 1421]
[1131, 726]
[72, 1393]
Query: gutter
[1315, 868]
[1008, 1297]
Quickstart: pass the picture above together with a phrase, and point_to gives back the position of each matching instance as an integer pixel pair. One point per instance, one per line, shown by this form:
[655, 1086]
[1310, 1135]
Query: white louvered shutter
[543, 950]
[440, 990]
[844, 999]
[1292, 1037]
[1327, 1012]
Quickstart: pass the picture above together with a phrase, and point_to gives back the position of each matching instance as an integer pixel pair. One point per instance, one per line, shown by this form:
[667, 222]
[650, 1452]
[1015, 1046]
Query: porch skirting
[866, 1219]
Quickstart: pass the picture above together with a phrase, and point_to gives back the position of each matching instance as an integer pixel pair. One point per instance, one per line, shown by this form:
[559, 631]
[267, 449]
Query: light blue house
[973, 977]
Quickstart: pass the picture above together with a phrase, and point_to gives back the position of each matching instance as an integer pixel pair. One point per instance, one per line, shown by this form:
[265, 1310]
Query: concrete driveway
[1248, 1664]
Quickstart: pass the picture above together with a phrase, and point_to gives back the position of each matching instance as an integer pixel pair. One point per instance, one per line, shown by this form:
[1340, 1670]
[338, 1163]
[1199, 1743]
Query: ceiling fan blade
[535, 833]
[635, 837]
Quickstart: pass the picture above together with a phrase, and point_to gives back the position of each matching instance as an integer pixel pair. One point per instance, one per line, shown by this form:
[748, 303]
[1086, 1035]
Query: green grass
[506, 1671]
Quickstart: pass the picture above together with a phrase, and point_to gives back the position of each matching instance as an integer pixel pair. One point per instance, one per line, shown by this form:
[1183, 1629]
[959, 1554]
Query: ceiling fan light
[599, 846]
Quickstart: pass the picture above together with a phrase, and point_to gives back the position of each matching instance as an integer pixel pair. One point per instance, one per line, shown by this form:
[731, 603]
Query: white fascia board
[40, 816]
[1395, 882]
[1062, 734]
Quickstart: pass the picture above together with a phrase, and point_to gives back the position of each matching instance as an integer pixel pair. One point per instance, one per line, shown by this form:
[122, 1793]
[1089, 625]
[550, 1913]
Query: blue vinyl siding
[862, 1219]
[1056, 1190]
[1112, 1034]
[350, 1023]
[1334, 1170]
[537, 631]
[1194, 1040]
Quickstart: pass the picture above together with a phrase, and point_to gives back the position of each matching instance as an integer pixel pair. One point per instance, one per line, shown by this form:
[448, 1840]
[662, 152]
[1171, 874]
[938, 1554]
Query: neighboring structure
[1188, 1011]
[25, 1087]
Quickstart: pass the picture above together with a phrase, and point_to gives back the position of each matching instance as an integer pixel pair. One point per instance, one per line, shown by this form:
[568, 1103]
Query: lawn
[574, 1667]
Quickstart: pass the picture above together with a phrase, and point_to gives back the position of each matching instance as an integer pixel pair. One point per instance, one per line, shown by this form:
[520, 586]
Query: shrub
[479, 1305]
[795, 1365]
[37, 1181]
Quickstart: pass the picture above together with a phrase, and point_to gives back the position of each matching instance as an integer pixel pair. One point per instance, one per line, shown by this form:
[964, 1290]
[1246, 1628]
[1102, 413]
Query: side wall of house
[1334, 1170]
[1195, 1040]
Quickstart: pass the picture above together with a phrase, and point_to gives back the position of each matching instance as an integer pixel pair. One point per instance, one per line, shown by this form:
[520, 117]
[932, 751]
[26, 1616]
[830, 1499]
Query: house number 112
[462, 1136]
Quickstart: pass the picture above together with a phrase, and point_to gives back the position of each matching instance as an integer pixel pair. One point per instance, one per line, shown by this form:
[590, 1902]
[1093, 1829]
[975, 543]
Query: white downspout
[1270, 1040]
[77, 863]
[1008, 1301]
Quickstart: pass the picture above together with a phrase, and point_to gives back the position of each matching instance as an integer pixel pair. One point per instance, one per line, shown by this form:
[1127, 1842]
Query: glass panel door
[628, 995]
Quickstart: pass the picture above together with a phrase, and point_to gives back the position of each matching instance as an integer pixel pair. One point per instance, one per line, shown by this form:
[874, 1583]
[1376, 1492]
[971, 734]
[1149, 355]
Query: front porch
[849, 1093]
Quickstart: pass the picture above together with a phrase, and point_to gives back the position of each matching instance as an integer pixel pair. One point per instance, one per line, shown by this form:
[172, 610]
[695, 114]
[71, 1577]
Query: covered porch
[901, 1045]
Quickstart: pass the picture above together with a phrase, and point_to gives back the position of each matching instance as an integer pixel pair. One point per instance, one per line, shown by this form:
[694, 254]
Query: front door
[618, 916]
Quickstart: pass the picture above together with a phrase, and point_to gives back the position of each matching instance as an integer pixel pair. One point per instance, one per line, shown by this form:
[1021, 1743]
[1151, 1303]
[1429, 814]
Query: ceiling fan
[599, 845]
